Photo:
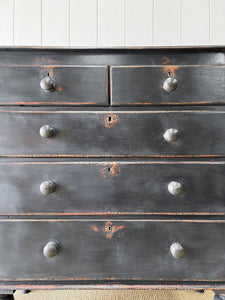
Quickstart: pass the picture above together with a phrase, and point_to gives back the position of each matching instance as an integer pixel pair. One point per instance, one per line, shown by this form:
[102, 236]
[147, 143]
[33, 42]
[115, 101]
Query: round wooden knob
[170, 84]
[171, 135]
[47, 131]
[175, 188]
[47, 187]
[47, 84]
[177, 251]
[51, 249]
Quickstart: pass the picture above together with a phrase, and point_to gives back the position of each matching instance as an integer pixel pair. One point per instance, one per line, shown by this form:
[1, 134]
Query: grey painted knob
[175, 188]
[47, 187]
[51, 249]
[170, 84]
[171, 135]
[177, 251]
[47, 84]
[47, 131]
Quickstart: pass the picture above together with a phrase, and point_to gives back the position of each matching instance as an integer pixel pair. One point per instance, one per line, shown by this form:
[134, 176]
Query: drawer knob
[51, 249]
[47, 187]
[171, 135]
[177, 251]
[47, 131]
[175, 188]
[170, 84]
[47, 84]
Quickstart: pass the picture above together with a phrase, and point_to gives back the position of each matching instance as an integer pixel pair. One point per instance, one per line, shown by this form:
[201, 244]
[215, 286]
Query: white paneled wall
[106, 23]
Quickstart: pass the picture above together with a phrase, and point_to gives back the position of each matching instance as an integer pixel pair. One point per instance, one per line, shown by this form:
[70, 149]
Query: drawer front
[144, 85]
[112, 250]
[96, 188]
[72, 85]
[119, 134]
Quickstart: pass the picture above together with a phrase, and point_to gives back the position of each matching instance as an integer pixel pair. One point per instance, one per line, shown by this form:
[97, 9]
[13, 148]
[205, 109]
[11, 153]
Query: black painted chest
[112, 170]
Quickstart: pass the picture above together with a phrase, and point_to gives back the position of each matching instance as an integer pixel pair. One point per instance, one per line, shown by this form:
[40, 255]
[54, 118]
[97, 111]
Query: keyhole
[109, 228]
[169, 73]
[109, 170]
[110, 119]
[47, 74]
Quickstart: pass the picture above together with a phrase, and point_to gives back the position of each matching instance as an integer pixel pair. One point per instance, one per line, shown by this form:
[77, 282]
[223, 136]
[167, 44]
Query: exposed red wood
[110, 170]
[94, 228]
[166, 60]
[116, 286]
[170, 69]
[60, 88]
[110, 120]
[111, 214]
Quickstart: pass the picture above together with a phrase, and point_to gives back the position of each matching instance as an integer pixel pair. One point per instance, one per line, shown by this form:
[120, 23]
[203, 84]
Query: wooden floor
[114, 295]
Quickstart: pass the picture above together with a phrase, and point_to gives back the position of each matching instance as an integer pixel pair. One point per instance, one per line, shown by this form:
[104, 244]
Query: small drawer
[96, 188]
[143, 250]
[160, 85]
[54, 85]
[112, 134]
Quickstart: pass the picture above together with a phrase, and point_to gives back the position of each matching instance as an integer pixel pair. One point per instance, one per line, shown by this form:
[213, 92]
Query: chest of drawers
[112, 168]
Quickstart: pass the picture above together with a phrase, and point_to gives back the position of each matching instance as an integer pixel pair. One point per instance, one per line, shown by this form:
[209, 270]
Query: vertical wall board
[167, 22]
[55, 22]
[139, 22]
[6, 22]
[217, 22]
[27, 22]
[83, 22]
[195, 22]
[111, 22]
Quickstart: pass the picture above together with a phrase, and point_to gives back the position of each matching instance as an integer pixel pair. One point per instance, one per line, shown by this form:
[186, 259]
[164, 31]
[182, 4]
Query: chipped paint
[42, 60]
[94, 228]
[109, 229]
[48, 69]
[60, 88]
[110, 120]
[170, 70]
[96, 284]
[166, 60]
[110, 170]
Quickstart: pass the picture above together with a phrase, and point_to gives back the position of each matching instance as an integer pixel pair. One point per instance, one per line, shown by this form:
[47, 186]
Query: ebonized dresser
[112, 168]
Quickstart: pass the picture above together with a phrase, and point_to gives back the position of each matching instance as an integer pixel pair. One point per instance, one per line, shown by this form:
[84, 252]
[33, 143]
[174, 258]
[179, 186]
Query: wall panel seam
[13, 22]
[181, 22]
[97, 4]
[153, 22]
[210, 6]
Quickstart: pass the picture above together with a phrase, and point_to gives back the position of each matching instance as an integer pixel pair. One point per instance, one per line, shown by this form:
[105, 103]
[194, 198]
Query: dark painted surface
[136, 250]
[143, 85]
[123, 56]
[126, 252]
[116, 187]
[75, 85]
[112, 134]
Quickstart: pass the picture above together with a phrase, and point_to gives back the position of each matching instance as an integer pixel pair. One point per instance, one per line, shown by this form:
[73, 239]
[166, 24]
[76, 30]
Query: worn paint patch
[48, 70]
[110, 170]
[60, 88]
[166, 60]
[170, 70]
[109, 229]
[41, 60]
[110, 120]
[94, 228]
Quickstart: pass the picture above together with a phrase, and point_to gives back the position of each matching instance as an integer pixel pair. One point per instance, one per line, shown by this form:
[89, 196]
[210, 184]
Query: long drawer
[157, 85]
[54, 85]
[112, 250]
[116, 134]
[95, 188]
